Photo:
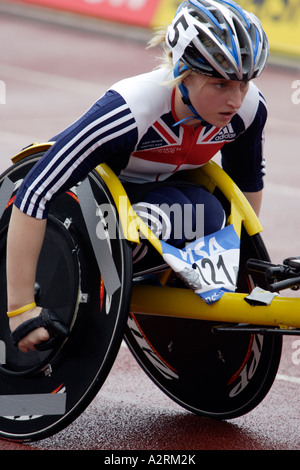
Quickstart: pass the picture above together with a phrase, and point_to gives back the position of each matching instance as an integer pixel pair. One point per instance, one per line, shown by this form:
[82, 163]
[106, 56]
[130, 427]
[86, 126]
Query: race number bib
[209, 265]
[183, 26]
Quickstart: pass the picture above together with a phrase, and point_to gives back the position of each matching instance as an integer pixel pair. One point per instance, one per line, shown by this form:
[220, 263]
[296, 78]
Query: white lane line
[275, 124]
[45, 79]
[288, 378]
[283, 190]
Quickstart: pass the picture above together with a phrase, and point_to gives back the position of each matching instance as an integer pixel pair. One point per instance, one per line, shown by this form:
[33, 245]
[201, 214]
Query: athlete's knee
[182, 214]
[213, 214]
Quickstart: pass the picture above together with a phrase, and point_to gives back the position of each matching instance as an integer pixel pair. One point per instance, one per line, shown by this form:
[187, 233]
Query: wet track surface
[52, 75]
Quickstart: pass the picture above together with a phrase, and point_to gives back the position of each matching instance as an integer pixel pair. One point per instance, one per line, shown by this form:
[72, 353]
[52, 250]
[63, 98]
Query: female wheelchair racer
[146, 128]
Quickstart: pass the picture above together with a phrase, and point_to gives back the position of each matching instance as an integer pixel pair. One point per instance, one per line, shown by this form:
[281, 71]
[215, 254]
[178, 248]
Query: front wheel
[214, 374]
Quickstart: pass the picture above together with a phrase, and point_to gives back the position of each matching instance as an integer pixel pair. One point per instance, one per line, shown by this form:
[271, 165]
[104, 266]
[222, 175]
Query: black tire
[219, 375]
[69, 282]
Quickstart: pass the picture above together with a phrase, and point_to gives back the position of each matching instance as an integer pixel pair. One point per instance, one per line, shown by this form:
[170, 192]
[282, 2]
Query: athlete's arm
[24, 241]
[255, 199]
[106, 130]
[243, 159]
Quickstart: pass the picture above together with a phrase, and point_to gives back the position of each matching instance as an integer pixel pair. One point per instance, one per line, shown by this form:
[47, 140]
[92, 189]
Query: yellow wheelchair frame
[282, 312]
[176, 337]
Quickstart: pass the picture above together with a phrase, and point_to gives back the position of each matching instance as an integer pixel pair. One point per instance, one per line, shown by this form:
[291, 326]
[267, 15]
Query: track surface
[52, 75]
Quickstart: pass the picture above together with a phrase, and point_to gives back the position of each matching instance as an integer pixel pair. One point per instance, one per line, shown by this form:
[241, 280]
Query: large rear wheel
[211, 373]
[42, 392]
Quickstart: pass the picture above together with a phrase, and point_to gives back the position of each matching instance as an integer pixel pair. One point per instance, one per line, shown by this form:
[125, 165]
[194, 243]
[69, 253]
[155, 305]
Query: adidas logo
[226, 133]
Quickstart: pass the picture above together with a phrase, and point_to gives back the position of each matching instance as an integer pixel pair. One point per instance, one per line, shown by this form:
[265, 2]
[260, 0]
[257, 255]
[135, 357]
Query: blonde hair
[159, 39]
[166, 60]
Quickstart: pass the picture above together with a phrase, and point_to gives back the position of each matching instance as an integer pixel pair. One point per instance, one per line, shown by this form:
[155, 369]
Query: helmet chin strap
[186, 100]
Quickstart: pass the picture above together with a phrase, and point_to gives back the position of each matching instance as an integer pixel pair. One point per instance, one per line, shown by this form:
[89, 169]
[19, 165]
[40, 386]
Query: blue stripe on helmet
[207, 12]
[238, 8]
[234, 51]
[256, 43]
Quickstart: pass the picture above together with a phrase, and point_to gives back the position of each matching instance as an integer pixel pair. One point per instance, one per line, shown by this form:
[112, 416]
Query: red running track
[52, 74]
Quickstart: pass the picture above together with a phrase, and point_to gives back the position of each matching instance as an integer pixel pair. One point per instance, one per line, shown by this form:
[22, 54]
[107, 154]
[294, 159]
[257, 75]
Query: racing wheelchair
[216, 359]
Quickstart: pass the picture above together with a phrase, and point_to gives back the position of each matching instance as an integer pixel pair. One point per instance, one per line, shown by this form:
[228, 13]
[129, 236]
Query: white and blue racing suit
[132, 128]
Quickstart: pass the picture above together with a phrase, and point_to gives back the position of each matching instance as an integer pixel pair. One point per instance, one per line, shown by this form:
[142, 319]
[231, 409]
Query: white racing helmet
[219, 39]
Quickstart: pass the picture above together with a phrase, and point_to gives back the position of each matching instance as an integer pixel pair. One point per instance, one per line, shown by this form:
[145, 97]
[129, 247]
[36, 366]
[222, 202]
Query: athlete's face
[216, 100]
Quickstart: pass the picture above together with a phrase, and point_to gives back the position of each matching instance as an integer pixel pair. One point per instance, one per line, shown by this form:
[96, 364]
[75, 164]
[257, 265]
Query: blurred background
[58, 56]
